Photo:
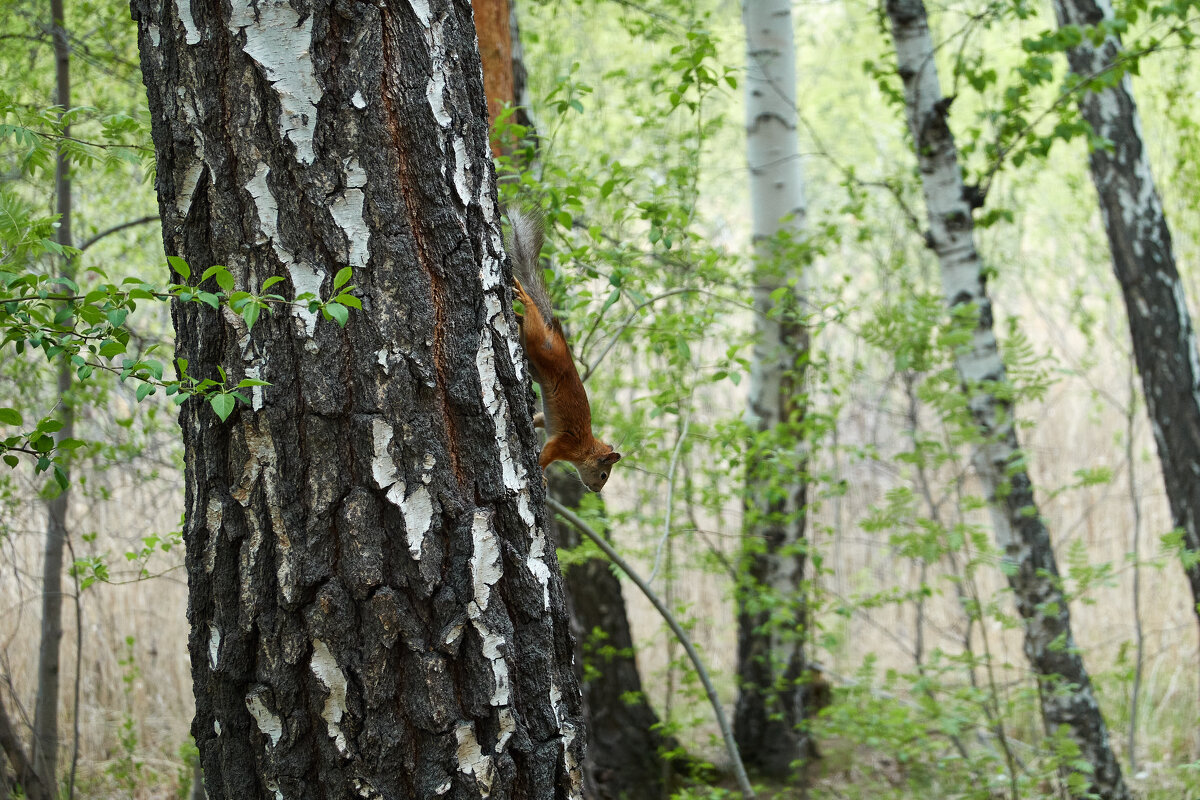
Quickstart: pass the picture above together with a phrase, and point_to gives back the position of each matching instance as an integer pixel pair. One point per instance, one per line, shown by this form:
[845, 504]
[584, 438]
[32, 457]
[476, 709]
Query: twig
[116, 229]
[726, 732]
[666, 534]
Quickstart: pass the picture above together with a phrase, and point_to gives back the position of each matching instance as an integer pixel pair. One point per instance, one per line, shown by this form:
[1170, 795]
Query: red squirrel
[566, 415]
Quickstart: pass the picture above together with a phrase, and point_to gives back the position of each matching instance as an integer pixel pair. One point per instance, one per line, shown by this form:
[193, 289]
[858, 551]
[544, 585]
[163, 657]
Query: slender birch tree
[45, 719]
[1160, 325]
[375, 607]
[771, 610]
[1068, 700]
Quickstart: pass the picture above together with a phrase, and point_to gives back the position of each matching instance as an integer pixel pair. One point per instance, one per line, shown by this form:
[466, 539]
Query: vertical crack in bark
[437, 287]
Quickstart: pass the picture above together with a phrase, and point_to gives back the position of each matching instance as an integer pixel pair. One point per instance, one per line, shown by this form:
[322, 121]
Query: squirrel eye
[603, 476]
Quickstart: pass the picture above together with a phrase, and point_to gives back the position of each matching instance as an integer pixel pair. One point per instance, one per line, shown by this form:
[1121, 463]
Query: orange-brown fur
[567, 415]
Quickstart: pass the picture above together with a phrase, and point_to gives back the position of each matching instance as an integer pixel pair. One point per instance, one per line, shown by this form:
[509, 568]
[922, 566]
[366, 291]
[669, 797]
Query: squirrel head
[595, 469]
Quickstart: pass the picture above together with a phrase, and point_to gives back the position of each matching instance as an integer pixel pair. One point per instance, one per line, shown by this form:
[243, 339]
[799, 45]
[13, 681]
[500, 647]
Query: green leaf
[342, 277]
[144, 390]
[338, 312]
[10, 416]
[271, 281]
[111, 348]
[222, 404]
[180, 266]
[11, 460]
[348, 300]
[225, 280]
[210, 298]
[117, 316]
[250, 314]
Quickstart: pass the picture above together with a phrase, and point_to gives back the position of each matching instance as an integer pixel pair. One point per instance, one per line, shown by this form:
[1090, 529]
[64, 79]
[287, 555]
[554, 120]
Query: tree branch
[726, 732]
[117, 229]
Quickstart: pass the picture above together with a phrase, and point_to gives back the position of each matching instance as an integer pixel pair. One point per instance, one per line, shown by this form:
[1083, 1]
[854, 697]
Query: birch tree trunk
[1068, 701]
[375, 607]
[1160, 325]
[45, 718]
[771, 611]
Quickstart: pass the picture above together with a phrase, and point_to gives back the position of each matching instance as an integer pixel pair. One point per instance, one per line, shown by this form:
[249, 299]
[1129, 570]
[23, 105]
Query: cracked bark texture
[375, 607]
[771, 704]
[1160, 325]
[1068, 701]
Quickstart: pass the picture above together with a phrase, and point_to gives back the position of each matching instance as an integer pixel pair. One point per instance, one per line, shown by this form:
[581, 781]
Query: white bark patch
[192, 35]
[212, 521]
[261, 466]
[347, 212]
[508, 726]
[279, 41]
[358, 101]
[568, 733]
[214, 645]
[217, 727]
[153, 32]
[471, 760]
[536, 560]
[383, 468]
[251, 361]
[325, 668]
[190, 176]
[497, 407]
[268, 721]
[443, 787]
[462, 166]
[304, 277]
[486, 571]
[417, 510]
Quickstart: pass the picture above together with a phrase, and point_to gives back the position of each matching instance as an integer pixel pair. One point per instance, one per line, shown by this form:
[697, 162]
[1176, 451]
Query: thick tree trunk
[1160, 325]
[493, 26]
[771, 611]
[45, 718]
[624, 756]
[375, 606]
[1068, 701]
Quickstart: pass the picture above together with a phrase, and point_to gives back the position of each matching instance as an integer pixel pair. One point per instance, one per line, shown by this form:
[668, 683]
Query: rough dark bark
[1068, 701]
[1160, 325]
[624, 755]
[45, 718]
[375, 607]
[771, 707]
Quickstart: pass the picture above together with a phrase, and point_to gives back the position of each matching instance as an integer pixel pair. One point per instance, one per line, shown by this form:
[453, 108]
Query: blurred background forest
[641, 170]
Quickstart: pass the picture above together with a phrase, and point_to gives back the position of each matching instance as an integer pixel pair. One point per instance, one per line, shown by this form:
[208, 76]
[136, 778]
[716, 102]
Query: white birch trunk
[770, 655]
[1067, 696]
[1160, 326]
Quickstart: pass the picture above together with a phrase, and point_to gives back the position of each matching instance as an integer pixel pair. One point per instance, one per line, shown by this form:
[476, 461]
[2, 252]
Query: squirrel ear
[611, 458]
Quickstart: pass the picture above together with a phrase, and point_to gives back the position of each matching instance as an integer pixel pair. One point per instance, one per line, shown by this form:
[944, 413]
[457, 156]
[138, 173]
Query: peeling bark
[375, 607]
[1068, 701]
[771, 704]
[1160, 325]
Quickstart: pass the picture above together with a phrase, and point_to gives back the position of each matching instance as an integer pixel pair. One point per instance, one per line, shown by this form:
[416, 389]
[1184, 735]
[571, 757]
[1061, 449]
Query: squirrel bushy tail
[525, 239]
